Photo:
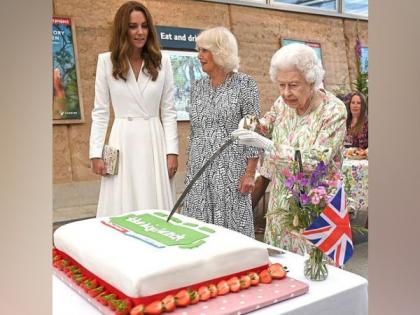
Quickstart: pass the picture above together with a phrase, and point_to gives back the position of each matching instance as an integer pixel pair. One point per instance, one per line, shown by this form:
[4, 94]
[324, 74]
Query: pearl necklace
[309, 105]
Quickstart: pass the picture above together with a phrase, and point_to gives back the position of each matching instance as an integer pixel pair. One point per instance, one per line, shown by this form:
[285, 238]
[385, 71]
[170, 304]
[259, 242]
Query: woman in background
[138, 81]
[357, 122]
[218, 102]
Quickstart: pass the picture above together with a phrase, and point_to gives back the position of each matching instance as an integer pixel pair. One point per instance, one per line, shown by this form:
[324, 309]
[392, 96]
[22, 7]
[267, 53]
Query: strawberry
[89, 284]
[66, 270]
[223, 287]
[65, 262]
[137, 310]
[55, 251]
[277, 271]
[154, 308]
[110, 298]
[94, 292]
[100, 298]
[93, 283]
[265, 276]
[194, 296]
[245, 281]
[57, 264]
[78, 278]
[204, 293]
[122, 307]
[213, 290]
[128, 303]
[234, 284]
[182, 298]
[105, 297]
[57, 257]
[255, 278]
[169, 303]
[114, 304]
[75, 270]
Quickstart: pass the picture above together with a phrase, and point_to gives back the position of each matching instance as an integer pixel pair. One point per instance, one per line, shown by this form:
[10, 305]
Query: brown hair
[363, 113]
[119, 45]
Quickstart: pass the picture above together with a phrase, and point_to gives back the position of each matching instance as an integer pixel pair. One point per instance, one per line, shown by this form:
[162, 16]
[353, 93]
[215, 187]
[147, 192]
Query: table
[342, 293]
[356, 172]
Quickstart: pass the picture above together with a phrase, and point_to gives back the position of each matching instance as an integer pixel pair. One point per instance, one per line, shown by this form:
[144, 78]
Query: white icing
[139, 269]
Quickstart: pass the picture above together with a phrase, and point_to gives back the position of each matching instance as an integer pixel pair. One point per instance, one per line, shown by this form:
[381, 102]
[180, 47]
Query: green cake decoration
[206, 229]
[190, 224]
[154, 230]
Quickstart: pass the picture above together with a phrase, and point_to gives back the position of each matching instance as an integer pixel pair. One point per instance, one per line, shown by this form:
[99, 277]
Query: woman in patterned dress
[357, 122]
[305, 117]
[218, 102]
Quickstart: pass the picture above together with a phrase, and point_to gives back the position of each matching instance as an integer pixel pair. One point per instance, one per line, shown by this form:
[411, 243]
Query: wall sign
[177, 38]
[67, 101]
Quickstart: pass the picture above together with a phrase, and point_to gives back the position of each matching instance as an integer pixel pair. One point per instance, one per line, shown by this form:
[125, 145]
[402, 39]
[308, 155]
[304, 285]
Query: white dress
[144, 130]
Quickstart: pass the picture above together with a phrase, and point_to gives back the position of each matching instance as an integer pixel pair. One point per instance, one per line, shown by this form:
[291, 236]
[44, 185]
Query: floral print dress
[358, 140]
[319, 135]
[215, 113]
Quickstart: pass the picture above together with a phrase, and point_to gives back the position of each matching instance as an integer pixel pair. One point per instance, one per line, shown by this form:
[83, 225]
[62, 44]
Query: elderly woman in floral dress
[305, 117]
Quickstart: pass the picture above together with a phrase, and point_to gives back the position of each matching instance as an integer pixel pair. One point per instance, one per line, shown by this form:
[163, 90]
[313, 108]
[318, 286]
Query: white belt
[130, 118]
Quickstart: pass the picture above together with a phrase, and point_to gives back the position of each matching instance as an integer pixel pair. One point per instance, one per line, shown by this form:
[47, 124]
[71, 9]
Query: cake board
[233, 303]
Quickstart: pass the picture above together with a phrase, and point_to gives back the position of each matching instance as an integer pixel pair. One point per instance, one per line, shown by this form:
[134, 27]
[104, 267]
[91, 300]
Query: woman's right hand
[98, 166]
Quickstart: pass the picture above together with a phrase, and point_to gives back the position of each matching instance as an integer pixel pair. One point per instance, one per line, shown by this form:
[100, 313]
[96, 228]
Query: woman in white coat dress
[137, 80]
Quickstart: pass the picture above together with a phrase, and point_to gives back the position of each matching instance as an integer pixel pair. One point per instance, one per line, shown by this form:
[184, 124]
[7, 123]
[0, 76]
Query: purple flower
[315, 177]
[304, 199]
[321, 168]
[289, 182]
[319, 172]
[303, 182]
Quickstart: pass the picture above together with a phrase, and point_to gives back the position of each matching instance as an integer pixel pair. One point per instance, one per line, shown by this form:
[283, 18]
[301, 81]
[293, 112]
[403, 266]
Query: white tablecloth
[342, 293]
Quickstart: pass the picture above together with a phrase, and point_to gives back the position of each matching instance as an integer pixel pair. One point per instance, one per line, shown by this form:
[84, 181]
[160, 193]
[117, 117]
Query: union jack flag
[331, 231]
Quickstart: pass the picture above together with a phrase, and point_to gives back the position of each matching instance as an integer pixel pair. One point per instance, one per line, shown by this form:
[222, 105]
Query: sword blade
[196, 176]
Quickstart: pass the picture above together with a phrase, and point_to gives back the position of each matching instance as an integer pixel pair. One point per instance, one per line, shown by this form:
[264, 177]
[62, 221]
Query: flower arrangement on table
[315, 207]
[317, 212]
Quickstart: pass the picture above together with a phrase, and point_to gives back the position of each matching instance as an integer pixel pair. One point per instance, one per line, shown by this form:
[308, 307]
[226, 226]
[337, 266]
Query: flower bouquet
[309, 193]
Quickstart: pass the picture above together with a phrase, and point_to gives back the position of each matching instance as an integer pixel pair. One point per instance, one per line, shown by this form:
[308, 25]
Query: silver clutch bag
[110, 155]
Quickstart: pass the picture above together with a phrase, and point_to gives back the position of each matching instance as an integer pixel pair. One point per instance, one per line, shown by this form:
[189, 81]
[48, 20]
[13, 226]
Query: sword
[196, 176]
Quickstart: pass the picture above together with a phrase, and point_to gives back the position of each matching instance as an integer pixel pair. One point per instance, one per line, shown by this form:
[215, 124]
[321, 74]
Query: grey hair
[300, 57]
[223, 46]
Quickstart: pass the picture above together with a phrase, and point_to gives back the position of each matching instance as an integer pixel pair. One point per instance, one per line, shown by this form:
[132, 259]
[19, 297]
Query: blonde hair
[301, 57]
[223, 46]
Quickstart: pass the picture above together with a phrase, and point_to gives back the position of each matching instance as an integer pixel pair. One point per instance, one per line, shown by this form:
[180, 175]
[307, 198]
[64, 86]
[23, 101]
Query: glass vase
[315, 268]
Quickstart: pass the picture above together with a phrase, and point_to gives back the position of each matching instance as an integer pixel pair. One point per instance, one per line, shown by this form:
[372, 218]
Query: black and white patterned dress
[214, 114]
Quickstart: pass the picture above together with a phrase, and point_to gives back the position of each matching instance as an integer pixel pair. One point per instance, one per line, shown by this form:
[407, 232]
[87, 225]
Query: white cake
[159, 256]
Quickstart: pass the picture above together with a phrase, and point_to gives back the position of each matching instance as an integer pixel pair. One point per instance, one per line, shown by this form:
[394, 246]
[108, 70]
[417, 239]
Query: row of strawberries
[91, 286]
[183, 298]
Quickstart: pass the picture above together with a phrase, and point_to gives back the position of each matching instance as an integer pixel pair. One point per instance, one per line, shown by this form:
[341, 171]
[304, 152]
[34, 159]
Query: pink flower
[336, 178]
[317, 194]
[286, 172]
[315, 199]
